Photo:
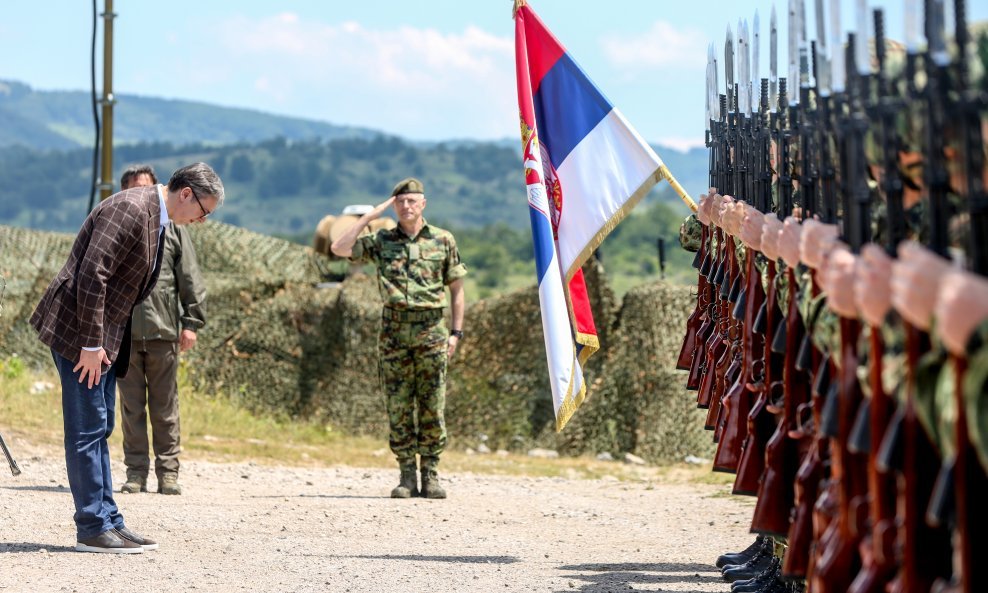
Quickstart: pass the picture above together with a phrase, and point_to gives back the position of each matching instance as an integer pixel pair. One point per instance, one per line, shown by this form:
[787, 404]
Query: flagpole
[667, 175]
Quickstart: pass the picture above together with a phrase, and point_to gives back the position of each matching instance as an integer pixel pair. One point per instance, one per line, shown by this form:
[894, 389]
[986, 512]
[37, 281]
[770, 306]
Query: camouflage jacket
[412, 272]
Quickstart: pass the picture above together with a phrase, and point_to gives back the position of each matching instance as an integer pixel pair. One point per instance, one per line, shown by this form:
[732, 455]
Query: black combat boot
[754, 566]
[742, 556]
[408, 487]
[762, 582]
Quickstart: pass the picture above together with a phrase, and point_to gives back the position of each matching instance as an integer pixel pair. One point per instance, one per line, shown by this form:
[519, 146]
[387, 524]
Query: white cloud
[395, 80]
[661, 46]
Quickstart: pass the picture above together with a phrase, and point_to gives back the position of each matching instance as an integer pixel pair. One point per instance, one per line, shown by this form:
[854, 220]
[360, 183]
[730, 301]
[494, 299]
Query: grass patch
[217, 429]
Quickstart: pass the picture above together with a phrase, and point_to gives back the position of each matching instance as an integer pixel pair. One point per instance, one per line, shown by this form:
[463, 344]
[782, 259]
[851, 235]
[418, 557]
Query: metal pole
[106, 171]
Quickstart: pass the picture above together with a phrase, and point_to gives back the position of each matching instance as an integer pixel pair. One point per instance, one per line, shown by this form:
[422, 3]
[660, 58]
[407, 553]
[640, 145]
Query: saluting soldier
[415, 263]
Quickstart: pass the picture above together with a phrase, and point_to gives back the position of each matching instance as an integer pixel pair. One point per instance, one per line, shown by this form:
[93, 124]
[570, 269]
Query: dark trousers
[88, 418]
[150, 390]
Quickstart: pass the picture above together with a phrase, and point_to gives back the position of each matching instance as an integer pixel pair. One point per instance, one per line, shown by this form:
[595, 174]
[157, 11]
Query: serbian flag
[585, 169]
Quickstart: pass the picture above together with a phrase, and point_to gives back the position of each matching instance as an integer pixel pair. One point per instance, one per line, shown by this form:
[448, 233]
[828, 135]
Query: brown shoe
[146, 543]
[108, 542]
[168, 484]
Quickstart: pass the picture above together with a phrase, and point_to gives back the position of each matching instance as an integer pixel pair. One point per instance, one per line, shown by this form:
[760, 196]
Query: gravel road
[247, 527]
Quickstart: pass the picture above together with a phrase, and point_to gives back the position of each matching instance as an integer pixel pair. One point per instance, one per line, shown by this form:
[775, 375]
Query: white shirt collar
[164, 210]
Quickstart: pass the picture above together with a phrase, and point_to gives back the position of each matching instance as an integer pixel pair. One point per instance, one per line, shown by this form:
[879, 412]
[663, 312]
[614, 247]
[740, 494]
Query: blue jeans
[88, 417]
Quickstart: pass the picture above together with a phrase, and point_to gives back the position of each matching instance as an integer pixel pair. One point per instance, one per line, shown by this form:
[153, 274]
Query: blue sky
[425, 70]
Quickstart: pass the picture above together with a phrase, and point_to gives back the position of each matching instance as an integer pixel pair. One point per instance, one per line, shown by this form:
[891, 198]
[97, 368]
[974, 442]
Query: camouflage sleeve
[366, 249]
[454, 268]
[976, 393]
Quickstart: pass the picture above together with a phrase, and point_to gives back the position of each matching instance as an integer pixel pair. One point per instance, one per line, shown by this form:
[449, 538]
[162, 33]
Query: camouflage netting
[277, 340]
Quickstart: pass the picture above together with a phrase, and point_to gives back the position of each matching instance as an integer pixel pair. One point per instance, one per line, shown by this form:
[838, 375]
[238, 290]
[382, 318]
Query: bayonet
[773, 61]
[793, 78]
[837, 71]
[822, 70]
[861, 58]
[755, 57]
[745, 75]
[729, 68]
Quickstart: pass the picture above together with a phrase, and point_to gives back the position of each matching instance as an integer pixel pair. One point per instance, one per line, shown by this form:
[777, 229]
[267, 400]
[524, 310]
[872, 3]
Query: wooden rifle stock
[839, 560]
[784, 450]
[737, 402]
[761, 423]
[971, 490]
[693, 323]
[925, 551]
[731, 350]
[878, 546]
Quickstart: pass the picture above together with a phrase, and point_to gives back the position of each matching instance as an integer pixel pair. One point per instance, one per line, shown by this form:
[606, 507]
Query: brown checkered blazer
[109, 270]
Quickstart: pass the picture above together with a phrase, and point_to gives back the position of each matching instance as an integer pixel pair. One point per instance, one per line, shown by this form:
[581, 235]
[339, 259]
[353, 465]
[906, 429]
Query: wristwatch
[456, 332]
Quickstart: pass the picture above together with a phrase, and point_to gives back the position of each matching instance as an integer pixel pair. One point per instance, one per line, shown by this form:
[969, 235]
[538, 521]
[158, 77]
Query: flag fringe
[570, 403]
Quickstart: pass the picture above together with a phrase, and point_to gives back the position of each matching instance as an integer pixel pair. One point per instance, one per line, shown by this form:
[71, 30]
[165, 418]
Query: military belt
[407, 315]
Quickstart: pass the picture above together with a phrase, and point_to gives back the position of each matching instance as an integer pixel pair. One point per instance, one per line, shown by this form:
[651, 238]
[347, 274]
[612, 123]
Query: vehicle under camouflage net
[277, 340]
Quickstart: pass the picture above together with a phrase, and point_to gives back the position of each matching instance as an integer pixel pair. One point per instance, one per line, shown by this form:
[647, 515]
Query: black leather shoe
[741, 557]
[760, 582]
[108, 542]
[751, 568]
[147, 544]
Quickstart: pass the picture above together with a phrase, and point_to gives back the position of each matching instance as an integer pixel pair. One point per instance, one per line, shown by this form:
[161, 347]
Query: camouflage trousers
[413, 375]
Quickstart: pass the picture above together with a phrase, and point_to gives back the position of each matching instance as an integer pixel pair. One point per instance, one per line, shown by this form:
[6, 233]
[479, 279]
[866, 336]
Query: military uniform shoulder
[440, 233]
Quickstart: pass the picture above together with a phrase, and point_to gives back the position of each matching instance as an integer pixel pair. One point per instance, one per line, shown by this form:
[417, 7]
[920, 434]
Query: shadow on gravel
[422, 558]
[37, 488]
[605, 577]
[24, 547]
[340, 496]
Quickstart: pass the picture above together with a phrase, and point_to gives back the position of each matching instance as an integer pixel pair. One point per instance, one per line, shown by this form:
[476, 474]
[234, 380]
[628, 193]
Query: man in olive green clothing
[415, 263]
[161, 326]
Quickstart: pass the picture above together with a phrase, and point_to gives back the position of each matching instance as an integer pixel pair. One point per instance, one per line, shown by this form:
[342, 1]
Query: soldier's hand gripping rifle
[962, 478]
[924, 551]
[875, 413]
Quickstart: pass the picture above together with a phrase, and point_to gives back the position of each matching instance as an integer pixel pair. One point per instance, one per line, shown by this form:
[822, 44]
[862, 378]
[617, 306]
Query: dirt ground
[247, 527]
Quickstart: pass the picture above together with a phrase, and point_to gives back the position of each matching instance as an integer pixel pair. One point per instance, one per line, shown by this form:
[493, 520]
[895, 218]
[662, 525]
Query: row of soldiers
[840, 338]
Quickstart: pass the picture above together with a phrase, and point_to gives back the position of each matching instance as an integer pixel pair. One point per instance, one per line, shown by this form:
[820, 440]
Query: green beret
[409, 185]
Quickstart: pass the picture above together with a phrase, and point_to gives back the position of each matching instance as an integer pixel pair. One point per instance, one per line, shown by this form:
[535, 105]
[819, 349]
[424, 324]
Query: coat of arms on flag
[585, 169]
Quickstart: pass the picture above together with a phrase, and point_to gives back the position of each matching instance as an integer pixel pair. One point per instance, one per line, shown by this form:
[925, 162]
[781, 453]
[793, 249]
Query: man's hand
[872, 291]
[706, 203]
[815, 242]
[451, 346]
[962, 305]
[91, 364]
[343, 246]
[770, 236]
[838, 275]
[751, 229]
[916, 277]
[789, 241]
[187, 340]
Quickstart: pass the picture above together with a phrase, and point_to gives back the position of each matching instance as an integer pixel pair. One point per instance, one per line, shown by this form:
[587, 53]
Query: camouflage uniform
[412, 275]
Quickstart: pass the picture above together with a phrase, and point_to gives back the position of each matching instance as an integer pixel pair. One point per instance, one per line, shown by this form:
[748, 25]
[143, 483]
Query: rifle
[714, 139]
[14, 468]
[873, 417]
[783, 451]
[962, 474]
[738, 400]
[761, 423]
